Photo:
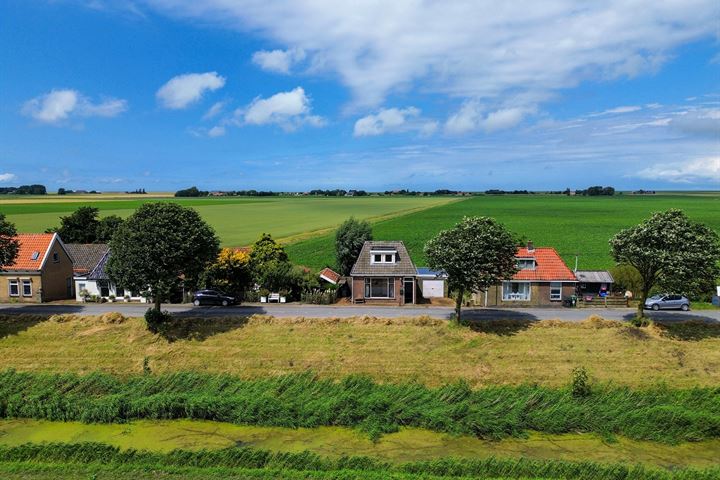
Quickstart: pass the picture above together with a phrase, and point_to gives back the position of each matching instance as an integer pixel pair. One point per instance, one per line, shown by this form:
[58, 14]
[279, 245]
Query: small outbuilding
[431, 282]
[594, 282]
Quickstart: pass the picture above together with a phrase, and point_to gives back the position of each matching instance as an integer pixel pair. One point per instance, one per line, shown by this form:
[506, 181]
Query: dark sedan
[212, 297]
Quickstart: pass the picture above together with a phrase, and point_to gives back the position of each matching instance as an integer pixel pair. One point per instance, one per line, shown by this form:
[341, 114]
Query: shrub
[157, 321]
[580, 383]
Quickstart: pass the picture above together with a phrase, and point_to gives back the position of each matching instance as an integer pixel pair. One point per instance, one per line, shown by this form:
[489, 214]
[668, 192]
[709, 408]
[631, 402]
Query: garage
[432, 283]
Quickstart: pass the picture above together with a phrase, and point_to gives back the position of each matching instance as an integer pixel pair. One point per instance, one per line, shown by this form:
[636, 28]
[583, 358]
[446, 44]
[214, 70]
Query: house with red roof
[542, 279]
[43, 271]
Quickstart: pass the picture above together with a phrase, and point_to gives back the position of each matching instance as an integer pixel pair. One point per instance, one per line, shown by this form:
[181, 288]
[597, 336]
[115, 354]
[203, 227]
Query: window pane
[391, 288]
[378, 258]
[379, 287]
[119, 292]
[14, 290]
[27, 288]
[388, 258]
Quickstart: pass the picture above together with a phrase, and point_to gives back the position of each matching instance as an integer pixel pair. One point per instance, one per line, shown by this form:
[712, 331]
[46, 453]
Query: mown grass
[572, 225]
[248, 463]
[430, 351]
[659, 414]
[237, 220]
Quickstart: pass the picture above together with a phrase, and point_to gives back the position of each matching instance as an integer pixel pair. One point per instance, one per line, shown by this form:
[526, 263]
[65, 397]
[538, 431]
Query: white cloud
[467, 48]
[59, 105]
[470, 117]
[702, 170]
[181, 91]
[623, 109]
[278, 61]
[216, 131]
[393, 120]
[700, 121]
[290, 110]
[214, 111]
[7, 177]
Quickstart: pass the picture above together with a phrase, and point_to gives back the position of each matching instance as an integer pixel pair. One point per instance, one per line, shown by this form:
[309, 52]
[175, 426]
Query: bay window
[516, 291]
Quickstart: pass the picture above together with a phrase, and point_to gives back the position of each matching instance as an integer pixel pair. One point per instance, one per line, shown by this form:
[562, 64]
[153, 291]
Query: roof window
[35, 256]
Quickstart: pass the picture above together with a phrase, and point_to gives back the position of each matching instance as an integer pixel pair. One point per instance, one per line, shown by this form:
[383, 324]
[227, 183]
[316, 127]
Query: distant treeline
[508, 192]
[194, 192]
[596, 191]
[66, 191]
[338, 192]
[24, 190]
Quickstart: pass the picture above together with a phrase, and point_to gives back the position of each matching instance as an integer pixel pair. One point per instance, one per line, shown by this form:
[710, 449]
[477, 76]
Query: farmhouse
[383, 273]
[42, 271]
[543, 279]
[90, 278]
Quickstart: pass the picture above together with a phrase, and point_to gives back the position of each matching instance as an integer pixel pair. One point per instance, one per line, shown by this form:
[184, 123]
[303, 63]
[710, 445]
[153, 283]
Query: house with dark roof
[42, 271]
[89, 261]
[384, 273]
[542, 279]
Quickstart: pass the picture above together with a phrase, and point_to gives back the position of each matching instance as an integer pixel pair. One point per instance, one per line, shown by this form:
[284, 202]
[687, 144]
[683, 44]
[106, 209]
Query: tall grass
[661, 414]
[345, 467]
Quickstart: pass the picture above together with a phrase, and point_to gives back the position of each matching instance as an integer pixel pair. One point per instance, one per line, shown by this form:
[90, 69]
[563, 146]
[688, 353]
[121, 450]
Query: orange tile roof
[30, 243]
[548, 266]
[330, 275]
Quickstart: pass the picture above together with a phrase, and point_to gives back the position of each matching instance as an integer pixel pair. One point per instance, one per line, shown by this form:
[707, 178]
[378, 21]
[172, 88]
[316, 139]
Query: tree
[230, 272]
[106, 227]
[349, 240]
[475, 254]
[80, 226]
[626, 277]
[9, 244]
[157, 246]
[268, 262]
[669, 251]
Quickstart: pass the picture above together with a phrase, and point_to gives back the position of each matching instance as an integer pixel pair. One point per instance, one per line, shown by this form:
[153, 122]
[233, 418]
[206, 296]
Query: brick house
[543, 279]
[43, 271]
[384, 273]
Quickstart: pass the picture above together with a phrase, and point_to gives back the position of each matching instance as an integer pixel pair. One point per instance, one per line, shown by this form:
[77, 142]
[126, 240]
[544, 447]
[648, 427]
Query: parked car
[212, 297]
[667, 302]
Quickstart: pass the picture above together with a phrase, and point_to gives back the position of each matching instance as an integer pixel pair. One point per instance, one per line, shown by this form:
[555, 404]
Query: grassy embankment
[572, 225]
[237, 220]
[429, 351]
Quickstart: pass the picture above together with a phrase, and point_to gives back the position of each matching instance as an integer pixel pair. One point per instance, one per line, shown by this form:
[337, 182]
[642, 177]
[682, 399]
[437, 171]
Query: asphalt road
[329, 311]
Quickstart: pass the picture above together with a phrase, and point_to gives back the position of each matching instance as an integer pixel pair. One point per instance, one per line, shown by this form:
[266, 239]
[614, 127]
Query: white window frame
[555, 291]
[524, 260]
[16, 284]
[26, 283]
[509, 296]
[385, 256]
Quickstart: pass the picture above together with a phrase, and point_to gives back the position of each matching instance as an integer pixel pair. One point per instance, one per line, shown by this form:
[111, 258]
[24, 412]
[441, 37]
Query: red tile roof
[549, 267]
[330, 275]
[33, 248]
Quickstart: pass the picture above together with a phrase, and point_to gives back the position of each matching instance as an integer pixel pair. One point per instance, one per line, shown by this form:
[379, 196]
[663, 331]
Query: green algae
[406, 445]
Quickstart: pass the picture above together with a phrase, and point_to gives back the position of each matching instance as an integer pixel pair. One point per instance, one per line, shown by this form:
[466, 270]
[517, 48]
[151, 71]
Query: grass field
[237, 220]
[572, 225]
[432, 352]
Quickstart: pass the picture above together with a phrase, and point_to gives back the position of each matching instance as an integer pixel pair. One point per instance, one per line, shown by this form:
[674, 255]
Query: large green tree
[106, 228]
[475, 254]
[349, 239]
[9, 244]
[83, 226]
[669, 251]
[157, 246]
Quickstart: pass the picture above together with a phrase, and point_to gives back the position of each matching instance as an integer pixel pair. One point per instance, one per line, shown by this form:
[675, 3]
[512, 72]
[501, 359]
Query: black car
[212, 297]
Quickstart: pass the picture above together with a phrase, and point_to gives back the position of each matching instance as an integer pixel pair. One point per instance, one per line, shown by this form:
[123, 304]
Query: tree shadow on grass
[691, 330]
[200, 329]
[17, 319]
[498, 321]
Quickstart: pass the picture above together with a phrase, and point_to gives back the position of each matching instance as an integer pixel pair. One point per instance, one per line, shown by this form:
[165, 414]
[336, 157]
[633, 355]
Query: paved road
[324, 311]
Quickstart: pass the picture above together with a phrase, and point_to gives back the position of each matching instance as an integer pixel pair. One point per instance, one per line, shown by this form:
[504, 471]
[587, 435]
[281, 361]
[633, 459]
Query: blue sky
[295, 95]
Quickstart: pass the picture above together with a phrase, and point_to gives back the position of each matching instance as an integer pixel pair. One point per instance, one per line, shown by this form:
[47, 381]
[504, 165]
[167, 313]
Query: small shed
[594, 281]
[432, 282]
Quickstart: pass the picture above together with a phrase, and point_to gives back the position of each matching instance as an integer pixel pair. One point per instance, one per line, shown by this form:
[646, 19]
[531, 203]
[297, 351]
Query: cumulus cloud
[471, 117]
[702, 170]
[703, 121]
[216, 131]
[183, 90]
[290, 110]
[468, 48]
[278, 61]
[59, 105]
[393, 120]
[214, 111]
[7, 177]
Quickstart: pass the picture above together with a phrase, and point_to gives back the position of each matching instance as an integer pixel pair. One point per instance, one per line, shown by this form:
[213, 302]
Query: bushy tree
[230, 272]
[475, 254]
[349, 239]
[80, 226]
[106, 227]
[669, 251]
[9, 244]
[158, 245]
[626, 277]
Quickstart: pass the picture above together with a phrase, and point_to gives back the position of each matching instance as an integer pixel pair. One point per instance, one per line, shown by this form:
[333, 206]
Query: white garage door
[433, 288]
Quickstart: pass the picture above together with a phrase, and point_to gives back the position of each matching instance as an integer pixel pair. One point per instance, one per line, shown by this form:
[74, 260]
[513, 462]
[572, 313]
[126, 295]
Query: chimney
[530, 247]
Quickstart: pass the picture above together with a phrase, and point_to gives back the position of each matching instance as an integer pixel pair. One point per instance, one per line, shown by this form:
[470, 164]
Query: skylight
[35, 255]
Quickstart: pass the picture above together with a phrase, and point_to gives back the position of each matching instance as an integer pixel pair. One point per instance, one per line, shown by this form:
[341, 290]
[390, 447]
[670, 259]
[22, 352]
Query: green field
[572, 225]
[237, 220]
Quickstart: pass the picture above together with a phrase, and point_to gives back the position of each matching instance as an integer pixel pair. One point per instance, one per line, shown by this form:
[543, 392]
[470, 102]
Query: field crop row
[658, 414]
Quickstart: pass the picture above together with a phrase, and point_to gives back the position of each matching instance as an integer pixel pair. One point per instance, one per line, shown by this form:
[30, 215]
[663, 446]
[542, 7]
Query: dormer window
[383, 256]
[526, 264]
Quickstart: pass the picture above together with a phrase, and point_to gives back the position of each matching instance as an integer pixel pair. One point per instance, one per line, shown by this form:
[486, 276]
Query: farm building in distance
[543, 279]
[42, 271]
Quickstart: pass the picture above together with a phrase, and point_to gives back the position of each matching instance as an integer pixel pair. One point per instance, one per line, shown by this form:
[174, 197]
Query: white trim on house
[518, 296]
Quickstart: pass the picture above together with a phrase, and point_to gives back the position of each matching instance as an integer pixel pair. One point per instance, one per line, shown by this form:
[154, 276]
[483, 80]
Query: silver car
[665, 301]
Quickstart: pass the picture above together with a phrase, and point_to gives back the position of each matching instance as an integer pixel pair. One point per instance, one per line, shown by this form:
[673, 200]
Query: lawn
[433, 352]
[237, 220]
[574, 226]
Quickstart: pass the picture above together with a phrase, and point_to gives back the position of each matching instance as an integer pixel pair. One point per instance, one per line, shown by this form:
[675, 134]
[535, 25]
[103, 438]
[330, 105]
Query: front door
[409, 290]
